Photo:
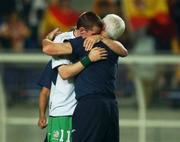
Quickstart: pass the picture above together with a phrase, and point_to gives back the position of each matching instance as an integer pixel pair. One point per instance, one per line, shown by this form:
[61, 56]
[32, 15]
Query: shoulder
[45, 77]
[76, 41]
[48, 69]
[66, 35]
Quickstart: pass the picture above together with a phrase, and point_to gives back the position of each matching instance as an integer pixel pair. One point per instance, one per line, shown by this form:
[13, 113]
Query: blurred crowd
[152, 27]
[23, 23]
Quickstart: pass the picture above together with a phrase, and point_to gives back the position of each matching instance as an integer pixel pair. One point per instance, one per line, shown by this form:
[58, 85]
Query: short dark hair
[88, 20]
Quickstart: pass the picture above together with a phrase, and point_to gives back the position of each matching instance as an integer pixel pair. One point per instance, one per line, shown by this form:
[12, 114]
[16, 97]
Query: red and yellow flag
[56, 17]
[139, 14]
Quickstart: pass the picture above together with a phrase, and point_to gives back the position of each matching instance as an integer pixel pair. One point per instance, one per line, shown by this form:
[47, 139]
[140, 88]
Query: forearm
[116, 46]
[68, 71]
[46, 48]
[43, 100]
[42, 110]
[50, 48]
[96, 54]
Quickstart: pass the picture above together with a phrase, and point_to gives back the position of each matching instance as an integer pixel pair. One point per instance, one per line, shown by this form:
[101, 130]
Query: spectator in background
[58, 14]
[16, 32]
[154, 16]
[162, 27]
[32, 12]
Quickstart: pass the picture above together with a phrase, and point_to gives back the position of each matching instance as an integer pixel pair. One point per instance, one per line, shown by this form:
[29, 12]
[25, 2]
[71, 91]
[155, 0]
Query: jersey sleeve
[56, 62]
[46, 76]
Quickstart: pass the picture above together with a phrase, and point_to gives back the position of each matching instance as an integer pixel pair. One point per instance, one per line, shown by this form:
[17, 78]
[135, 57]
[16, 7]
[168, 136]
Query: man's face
[95, 30]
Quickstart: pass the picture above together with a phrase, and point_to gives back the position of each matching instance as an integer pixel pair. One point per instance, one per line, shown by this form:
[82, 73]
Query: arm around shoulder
[116, 46]
[121, 50]
[51, 48]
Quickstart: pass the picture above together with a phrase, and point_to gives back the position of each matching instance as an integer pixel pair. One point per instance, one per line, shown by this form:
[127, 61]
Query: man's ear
[82, 30]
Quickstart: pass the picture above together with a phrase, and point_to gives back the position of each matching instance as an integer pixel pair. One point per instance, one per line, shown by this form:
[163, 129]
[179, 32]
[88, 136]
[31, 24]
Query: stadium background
[148, 80]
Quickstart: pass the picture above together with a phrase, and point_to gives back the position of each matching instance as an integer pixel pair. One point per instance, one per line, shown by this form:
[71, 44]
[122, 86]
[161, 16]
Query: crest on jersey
[56, 135]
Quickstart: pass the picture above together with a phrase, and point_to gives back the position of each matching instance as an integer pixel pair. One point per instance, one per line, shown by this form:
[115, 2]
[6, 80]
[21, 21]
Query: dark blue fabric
[99, 77]
[48, 75]
[95, 119]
